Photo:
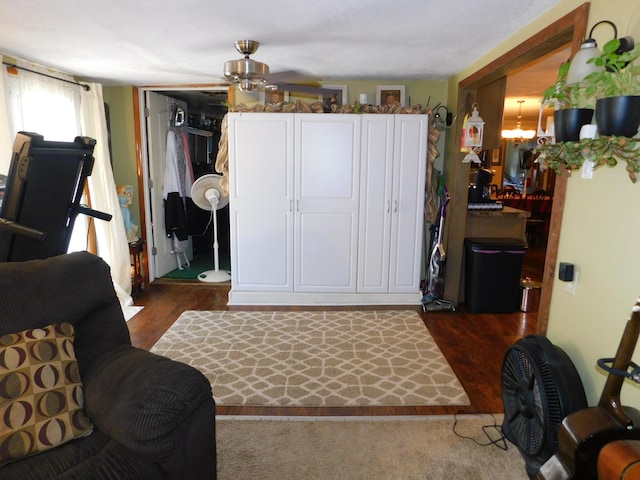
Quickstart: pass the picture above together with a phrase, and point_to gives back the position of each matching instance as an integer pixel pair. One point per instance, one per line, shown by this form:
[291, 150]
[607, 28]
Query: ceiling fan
[249, 74]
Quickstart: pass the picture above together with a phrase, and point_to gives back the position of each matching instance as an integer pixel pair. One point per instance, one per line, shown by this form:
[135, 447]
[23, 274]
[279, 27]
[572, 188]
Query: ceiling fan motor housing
[245, 68]
[246, 72]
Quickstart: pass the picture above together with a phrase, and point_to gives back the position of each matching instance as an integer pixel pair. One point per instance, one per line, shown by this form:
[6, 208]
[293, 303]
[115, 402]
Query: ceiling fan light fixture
[245, 86]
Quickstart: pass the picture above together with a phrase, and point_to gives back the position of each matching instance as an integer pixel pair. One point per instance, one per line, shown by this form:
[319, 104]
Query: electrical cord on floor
[498, 442]
[213, 212]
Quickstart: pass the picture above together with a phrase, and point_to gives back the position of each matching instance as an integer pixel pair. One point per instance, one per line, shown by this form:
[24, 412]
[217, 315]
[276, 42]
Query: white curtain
[6, 142]
[111, 238]
[61, 111]
[40, 104]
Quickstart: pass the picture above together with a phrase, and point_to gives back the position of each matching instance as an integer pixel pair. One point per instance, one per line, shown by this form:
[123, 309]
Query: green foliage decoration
[602, 151]
[564, 95]
[618, 77]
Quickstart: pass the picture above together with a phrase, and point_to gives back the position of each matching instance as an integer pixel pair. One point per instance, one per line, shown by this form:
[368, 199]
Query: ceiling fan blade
[249, 71]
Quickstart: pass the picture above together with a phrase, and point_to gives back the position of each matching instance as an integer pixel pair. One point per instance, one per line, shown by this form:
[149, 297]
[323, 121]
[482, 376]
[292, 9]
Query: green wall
[600, 232]
[417, 91]
[123, 146]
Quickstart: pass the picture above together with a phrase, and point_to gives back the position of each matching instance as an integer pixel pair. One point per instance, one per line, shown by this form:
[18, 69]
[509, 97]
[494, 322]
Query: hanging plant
[601, 151]
[619, 75]
[564, 95]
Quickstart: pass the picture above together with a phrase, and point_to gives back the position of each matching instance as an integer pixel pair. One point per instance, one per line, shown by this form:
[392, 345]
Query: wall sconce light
[472, 134]
[580, 65]
[440, 123]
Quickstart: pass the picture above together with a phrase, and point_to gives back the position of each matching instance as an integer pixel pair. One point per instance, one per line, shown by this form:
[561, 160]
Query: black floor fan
[540, 386]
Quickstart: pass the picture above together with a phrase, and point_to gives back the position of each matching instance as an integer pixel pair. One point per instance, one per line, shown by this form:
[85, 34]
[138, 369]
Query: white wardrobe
[326, 209]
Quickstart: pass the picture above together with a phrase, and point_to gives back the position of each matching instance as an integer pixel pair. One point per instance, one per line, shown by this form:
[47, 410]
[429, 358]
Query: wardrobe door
[376, 177]
[327, 166]
[261, 198]
[409, 174]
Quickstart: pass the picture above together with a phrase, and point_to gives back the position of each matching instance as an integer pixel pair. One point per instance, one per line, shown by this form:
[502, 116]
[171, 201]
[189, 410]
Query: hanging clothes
[178, 179]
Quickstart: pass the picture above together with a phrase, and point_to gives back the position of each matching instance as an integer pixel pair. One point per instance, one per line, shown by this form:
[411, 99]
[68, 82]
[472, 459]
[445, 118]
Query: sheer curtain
[61, 111]
[6, 142]
[39, 104]
[111, 238]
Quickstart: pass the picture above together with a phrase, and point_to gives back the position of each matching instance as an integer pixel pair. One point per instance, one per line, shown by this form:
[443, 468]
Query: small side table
[137, 278]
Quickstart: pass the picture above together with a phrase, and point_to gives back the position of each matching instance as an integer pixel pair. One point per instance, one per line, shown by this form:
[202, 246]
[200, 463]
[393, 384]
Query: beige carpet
[362, 448]
[314, 358]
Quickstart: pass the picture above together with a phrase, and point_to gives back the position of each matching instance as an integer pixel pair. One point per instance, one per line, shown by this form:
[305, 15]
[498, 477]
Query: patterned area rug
[314, 358]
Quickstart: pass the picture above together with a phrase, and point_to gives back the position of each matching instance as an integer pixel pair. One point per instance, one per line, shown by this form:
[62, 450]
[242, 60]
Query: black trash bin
[492, 274]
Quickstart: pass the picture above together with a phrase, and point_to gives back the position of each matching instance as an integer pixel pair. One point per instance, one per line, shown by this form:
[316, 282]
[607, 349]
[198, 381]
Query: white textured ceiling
[187, 42]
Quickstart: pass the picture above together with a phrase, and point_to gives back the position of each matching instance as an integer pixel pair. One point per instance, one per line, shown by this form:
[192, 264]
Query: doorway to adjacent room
[193, 118]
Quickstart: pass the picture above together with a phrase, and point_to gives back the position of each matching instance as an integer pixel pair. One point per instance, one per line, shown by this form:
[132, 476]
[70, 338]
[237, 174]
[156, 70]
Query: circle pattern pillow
[41, 393]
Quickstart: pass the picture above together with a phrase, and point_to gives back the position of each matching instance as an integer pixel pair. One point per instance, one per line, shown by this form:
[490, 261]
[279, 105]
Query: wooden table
[137, 278]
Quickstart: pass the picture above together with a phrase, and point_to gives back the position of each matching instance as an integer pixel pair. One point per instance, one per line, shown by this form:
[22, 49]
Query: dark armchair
[152, 417]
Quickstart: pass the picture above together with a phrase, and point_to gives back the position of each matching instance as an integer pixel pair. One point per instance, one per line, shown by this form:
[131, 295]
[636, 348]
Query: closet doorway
[193, 118]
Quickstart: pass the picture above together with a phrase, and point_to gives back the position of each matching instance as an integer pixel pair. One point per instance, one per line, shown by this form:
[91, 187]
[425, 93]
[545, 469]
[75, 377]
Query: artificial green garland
[602, 151]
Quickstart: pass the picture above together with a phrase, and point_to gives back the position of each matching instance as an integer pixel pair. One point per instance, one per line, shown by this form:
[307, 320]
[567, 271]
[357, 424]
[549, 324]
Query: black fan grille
[532, 406]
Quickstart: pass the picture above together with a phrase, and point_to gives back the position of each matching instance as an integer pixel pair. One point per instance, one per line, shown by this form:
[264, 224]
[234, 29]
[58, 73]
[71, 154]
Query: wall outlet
[587, 169]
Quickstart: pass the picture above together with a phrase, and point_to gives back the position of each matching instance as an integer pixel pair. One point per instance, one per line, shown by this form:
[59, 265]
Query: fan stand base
[214, 276]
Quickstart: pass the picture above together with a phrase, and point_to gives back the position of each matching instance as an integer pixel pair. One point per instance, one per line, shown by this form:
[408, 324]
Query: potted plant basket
[617, 90]
[572, 108]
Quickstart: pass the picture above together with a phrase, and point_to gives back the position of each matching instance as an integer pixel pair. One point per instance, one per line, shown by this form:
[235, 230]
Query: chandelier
[517, 135]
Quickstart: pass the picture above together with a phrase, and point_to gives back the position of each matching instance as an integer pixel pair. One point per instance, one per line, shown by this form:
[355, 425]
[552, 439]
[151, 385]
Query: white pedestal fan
[206, 194]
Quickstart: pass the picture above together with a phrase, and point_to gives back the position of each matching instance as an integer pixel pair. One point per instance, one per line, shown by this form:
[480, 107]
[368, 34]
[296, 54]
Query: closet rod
[13, 65]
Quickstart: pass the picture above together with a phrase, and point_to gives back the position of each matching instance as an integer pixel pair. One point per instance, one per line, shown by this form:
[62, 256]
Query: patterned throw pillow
[41, 394]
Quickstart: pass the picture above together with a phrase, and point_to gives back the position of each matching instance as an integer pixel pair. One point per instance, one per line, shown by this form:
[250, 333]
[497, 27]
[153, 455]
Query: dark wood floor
[474, 344]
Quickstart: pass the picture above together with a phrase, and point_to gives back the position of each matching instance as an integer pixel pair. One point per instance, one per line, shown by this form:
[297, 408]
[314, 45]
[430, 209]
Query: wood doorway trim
[568, 30]
[141, 183]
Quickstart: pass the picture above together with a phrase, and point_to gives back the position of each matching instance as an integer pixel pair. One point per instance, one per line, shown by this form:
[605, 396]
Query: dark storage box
[492, 274]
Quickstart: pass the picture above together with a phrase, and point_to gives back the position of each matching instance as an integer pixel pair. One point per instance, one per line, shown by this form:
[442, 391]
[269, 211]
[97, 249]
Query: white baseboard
[319, 299]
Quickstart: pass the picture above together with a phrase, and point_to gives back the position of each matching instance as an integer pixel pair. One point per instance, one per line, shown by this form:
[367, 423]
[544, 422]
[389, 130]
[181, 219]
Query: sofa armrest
[142, 400]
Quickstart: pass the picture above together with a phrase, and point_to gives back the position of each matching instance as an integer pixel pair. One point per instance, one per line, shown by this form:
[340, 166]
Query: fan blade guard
[540, 387]
[199, 191]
